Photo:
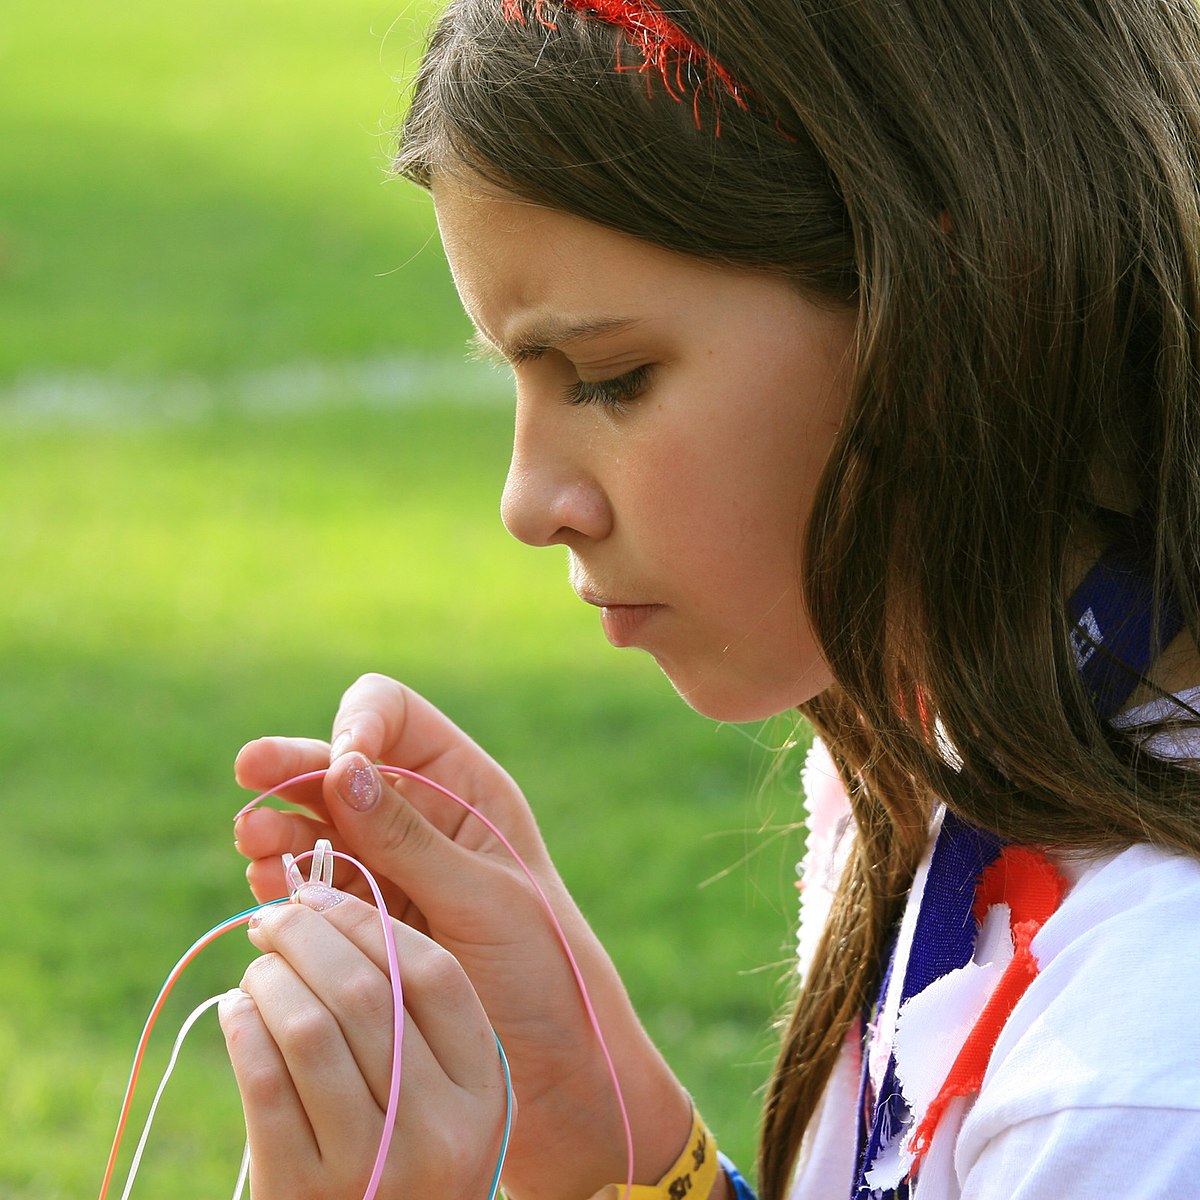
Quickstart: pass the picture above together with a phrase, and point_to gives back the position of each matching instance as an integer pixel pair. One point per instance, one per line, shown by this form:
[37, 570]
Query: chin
[735, 700]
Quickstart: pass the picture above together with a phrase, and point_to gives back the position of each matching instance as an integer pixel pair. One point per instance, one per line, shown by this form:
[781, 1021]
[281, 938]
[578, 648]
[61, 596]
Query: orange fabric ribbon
[1032, 887]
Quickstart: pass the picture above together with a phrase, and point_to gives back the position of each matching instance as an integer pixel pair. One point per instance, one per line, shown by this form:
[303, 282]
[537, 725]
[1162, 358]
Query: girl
[857, 356]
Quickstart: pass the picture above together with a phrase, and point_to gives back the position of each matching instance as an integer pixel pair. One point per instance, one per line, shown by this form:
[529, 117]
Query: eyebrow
[547, 335]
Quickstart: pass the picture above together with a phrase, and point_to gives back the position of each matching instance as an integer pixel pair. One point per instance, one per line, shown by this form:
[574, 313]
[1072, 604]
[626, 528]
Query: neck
[1177, 670]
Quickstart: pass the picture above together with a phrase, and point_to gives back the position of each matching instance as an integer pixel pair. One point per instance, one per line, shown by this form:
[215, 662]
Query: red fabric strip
[680, 61]
[1030, 884]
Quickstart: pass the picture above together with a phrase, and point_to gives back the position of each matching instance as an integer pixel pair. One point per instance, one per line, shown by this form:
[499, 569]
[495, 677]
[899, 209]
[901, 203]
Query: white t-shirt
[1093, 1088]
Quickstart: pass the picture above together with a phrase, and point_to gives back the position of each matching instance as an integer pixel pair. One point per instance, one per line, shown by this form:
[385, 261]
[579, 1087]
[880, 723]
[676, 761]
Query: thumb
[356, 781]
[393, 836]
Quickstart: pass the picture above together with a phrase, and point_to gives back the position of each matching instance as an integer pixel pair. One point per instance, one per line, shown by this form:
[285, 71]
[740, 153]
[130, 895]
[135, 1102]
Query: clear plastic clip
[321, 870]
[291, 873]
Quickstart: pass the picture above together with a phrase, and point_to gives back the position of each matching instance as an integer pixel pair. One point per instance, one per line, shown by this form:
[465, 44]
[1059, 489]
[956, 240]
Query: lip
[622, 623]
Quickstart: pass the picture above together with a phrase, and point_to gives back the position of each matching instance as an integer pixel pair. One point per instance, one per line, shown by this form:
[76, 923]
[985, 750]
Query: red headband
[664, 47]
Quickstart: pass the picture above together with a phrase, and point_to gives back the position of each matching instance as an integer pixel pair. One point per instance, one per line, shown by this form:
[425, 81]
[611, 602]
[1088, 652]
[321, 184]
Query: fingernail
[341, 744]
[360, 786]
[256, 919]
[319, 897]
[232, 999]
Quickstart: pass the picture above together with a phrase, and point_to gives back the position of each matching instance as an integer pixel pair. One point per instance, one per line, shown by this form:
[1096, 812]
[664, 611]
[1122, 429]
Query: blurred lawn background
[242, 463]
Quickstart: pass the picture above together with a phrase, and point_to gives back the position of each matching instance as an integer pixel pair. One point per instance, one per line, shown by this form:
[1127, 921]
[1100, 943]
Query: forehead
[482, 226]
[512, 258]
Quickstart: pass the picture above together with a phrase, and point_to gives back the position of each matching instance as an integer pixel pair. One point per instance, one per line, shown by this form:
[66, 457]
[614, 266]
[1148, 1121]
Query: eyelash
[613, 393]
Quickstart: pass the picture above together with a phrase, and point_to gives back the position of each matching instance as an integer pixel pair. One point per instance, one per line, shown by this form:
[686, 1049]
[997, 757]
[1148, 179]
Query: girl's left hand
[311, 1045]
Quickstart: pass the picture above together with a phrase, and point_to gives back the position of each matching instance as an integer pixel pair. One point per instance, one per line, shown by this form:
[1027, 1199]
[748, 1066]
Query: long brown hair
[1007, 192]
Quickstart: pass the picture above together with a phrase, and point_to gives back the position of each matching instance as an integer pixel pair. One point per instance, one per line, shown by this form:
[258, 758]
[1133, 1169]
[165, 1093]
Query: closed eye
[613, 393]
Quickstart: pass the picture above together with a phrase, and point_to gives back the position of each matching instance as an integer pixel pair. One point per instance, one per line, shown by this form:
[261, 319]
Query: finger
[268, 833]
[269, 761]
[268, 881]
[326, 1076]
[418, 854]
[386, 720]
[275, 1119]
[265, 835]
[343, 960]
[314, 1128]
[438, 996]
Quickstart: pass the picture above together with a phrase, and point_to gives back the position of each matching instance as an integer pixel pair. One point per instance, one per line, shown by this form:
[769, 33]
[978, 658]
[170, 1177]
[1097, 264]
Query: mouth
[622, 623]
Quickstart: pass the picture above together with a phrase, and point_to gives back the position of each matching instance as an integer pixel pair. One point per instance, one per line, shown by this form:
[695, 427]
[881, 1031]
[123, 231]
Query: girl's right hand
[445, 874]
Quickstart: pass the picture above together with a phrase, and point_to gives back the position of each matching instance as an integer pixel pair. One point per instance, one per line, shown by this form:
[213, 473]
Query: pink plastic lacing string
[394, 973]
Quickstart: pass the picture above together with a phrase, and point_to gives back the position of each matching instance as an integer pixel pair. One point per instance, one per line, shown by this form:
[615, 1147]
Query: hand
[445, 874]
[311, 1044]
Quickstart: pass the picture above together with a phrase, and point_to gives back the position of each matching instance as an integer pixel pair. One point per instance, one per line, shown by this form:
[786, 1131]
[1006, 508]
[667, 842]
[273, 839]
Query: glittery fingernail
[360, 787]
[319, 897]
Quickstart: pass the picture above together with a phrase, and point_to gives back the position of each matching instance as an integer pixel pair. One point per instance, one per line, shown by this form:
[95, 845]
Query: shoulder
[1112, 1021]
[1135, 1153]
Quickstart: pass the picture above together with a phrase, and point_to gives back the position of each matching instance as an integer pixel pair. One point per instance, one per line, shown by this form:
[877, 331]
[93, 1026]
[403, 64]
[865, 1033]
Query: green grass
[199, 188]
[240, 468]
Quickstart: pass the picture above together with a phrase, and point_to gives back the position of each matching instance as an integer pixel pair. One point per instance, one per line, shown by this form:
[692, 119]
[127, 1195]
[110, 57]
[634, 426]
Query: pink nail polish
[360, 787]
[318, 897]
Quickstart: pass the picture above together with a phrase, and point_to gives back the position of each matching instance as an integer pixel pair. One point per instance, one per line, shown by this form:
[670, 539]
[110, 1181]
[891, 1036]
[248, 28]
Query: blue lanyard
[1115, 638]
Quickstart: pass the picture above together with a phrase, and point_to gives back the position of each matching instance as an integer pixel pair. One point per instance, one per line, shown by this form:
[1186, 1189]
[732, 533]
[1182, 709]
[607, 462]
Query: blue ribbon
[1114, 638]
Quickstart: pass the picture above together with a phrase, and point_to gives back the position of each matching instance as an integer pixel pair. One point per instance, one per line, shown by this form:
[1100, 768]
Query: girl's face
[672, 421]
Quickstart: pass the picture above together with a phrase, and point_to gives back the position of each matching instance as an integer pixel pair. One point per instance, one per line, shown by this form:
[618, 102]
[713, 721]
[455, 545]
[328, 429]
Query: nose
[551, 496]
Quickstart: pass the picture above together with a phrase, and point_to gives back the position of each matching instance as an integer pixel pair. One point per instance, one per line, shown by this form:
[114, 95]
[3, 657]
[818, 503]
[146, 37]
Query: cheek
[727, 523]
[754, 479]
[722, 473]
